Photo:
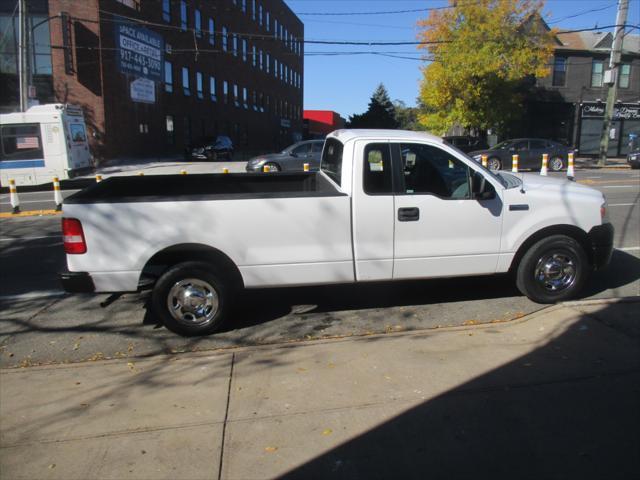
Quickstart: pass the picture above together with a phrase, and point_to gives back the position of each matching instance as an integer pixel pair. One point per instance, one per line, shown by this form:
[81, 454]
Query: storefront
[625, 121]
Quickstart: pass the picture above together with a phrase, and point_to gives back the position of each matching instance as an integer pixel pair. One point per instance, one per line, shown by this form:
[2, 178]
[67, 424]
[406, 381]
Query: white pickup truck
[386, 205]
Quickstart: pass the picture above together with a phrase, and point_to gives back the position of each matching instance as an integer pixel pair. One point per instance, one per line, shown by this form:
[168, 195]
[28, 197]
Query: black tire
[494, 164]
[273, 167]
[557, 164]
[564, 258]
[205, 277]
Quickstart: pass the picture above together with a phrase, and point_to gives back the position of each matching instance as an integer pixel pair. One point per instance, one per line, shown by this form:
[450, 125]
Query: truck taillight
[73, 236]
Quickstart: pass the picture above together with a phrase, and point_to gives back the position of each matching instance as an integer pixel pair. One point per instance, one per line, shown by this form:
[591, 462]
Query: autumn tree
[380, 114]
[481, 53]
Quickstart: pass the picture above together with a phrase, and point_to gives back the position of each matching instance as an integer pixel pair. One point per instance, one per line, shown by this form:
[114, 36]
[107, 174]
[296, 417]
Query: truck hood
[541, 183]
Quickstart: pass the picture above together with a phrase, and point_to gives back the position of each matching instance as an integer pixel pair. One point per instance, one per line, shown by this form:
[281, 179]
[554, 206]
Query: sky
[344, 83]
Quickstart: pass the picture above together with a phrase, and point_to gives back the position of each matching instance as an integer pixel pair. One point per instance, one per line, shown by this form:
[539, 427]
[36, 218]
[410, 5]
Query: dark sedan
[529, 151]
[291, 159]
[217, 148]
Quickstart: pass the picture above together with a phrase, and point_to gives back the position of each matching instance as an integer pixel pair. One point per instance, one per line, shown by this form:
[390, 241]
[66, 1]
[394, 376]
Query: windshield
[502, 145]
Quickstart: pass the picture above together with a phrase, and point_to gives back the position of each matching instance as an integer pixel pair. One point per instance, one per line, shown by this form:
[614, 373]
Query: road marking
[628, 249]
[593, 177]
[9, 239]
[621, 204]
[26, 201]
[33, 295]
[617, 186]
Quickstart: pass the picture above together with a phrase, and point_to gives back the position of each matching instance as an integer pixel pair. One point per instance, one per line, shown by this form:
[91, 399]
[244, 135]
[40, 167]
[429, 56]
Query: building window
[254, 60]
[183, 15]
[212, 88]
[212, 32]
[185, 81]
[234, 44]
[625, 75]
[244, 50]
[597, 69]
[275, 68]
[268, 63]
[166, 11]
[236, 100]
[253, 10]
[197, 23]
[254, 100]
[245, 98]
[260, 15]
[261, 101]
[225, 91]
[168, 77]
[267, 21]
[244, 6]
[199, 84]
[266, 102]
[275, 28]
[261, 60]
[168, 122]
[559, 71]
[224, 39]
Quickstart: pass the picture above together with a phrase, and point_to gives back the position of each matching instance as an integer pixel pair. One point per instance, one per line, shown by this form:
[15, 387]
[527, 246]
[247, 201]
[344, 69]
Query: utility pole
[611, 78]
[22, 54]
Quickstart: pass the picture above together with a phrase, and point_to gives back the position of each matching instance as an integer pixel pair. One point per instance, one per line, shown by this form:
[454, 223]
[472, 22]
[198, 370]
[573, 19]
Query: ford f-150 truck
[385, 205]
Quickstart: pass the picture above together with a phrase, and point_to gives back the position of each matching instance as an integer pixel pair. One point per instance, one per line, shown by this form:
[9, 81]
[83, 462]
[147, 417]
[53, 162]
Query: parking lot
[41, 324]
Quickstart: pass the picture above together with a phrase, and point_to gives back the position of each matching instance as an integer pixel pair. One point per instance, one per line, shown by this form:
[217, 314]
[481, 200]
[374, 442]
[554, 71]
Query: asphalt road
[40, 324]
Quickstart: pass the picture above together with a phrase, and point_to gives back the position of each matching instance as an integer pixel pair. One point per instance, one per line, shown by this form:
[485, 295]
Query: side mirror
[293, 154]
[482, 190]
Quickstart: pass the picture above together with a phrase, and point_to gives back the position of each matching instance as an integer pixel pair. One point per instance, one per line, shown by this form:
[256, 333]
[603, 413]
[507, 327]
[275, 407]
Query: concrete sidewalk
[552, 395]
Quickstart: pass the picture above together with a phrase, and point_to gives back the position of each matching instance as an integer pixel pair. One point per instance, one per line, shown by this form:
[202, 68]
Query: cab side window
[377, 169]
[430, 170]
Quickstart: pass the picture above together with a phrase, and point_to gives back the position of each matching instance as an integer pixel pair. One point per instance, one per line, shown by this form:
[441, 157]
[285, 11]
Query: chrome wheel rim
[193, 302]
[494, 164]
[273, 168]
[556, 164]
[556, 272]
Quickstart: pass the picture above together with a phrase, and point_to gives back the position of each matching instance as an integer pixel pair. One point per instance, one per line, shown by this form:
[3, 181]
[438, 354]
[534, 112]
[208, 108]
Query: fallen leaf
[76, 346]
[470, 322]
[331, 365]
[131, 366]
[52, 466]
[326, 432]
[270, 449]
[302, 369]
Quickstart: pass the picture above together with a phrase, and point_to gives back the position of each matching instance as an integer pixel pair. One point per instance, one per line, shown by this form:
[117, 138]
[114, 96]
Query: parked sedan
[216, 148]
[290, 159]
[529, 152]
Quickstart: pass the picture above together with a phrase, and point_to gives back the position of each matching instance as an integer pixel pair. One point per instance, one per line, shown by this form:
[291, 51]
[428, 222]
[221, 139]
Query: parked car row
[499, 157]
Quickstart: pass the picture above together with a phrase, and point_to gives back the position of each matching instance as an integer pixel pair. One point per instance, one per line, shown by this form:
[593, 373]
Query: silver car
[291, 159]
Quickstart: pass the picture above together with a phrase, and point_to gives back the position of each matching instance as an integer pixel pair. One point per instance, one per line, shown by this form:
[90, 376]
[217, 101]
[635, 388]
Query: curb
[30, 213]
[174, 356]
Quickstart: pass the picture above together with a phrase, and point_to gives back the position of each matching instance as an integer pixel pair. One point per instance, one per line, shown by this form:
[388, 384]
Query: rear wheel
[556, 164]
[191, 298]
[553, 269]
[494, 164]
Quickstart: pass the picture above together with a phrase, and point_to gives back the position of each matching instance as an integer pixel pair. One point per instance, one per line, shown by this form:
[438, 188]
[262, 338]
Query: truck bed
[175, 188]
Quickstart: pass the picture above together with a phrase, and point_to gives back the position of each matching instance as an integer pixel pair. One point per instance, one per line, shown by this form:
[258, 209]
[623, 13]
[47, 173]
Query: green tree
[380, 114]
[482, 54]
[407, 117]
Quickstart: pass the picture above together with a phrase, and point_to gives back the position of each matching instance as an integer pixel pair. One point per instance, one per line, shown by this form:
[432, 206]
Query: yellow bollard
[266, 169]
[570, 173]
[57, 196]
[225, 170]
[514, 163]
[305, 167]
[183, 172]
[485, 161]
[98, 178]
[13, 194]
[545, 162]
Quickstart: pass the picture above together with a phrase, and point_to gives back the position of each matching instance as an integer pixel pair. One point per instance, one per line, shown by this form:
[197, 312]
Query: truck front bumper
[77, 282]
[601, 238]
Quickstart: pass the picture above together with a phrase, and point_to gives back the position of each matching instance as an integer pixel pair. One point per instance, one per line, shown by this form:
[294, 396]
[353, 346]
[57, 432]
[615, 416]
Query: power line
[579, 14]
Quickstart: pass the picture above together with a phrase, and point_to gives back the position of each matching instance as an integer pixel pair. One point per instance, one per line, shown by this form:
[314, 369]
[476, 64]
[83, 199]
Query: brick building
[154, 76]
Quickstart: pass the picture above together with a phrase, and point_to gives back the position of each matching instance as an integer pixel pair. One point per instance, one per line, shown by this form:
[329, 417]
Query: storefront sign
[139, 51]
[627, 112]
[143, 90]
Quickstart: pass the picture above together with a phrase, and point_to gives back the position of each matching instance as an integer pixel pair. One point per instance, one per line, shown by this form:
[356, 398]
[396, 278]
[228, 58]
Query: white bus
[44, 142]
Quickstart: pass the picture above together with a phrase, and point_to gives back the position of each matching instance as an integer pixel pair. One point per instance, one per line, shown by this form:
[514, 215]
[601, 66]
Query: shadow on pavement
[567, 410]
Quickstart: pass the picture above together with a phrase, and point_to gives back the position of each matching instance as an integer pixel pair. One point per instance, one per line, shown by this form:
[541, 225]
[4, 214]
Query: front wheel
[553, 270]
[273, 167]
[556, 164]
[190, 299]
[494, 164]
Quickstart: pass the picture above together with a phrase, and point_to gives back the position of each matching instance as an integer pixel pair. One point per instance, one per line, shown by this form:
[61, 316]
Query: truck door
[373, 211]
[440, 230]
